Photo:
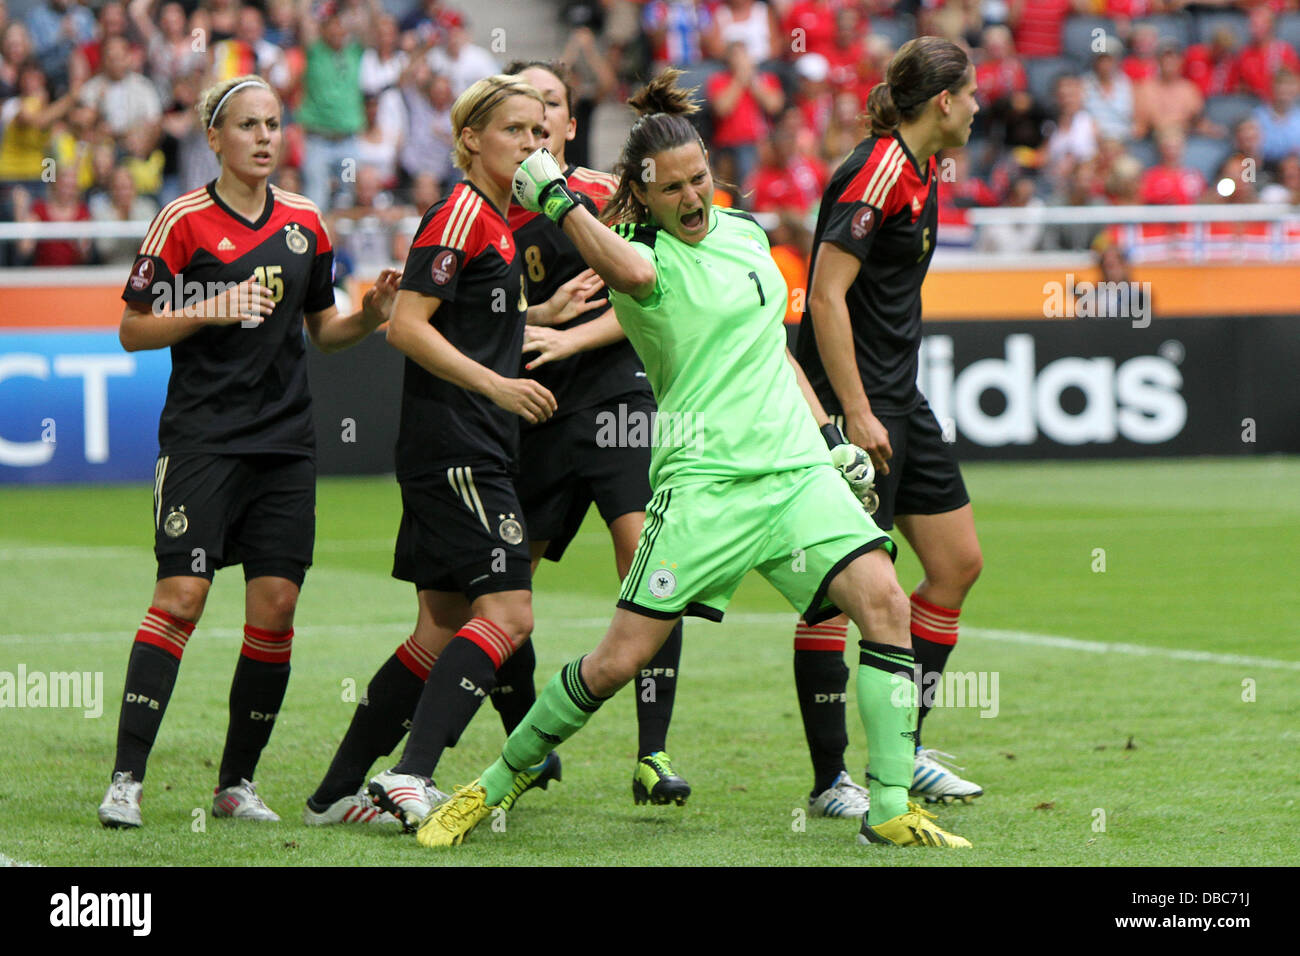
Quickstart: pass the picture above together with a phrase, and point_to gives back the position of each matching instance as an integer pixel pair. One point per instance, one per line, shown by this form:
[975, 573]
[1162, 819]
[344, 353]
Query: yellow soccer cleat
[450, 822]
[912, 828]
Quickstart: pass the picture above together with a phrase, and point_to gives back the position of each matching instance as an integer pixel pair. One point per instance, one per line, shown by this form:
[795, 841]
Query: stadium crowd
[1084, 103]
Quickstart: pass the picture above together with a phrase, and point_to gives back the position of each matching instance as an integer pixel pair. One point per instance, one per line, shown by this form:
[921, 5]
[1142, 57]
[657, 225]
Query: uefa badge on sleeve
[861, 224]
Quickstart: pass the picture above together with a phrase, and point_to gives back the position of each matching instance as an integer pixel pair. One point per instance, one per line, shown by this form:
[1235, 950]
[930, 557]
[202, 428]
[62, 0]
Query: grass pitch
[1140, 618]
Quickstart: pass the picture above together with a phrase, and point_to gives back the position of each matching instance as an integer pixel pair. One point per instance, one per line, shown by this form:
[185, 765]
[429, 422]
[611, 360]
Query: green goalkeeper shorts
[796, 528]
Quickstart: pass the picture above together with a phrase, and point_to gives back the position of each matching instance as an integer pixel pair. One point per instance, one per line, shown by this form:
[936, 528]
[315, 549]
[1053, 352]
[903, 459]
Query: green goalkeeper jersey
[711, 338]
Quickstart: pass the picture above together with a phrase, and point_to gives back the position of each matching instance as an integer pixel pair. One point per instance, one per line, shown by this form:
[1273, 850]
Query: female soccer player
[459, 319]
[567, 463]
[587, 364]
[754, 487]
[872, 246]
[227, 277]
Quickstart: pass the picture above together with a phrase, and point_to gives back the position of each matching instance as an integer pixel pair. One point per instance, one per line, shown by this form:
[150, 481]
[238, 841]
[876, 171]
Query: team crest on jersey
[662, 583]
[444, 267]
[177, 522]
[511, 531]
[294, 238]
[142, 274]
[861, 224]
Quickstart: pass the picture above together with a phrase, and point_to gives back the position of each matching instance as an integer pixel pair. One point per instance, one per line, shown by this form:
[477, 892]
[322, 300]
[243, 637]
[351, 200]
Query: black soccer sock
[934, 635]
[150, 676]
[381, 719]
[256, 693]
[820, 679]
[463, 676]
[515, 691]
[656, 688]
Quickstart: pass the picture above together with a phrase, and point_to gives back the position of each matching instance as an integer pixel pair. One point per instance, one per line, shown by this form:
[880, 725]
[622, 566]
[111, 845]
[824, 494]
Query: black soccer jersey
[465, 255]
[551, 259]
[236, 390]
[884, 211]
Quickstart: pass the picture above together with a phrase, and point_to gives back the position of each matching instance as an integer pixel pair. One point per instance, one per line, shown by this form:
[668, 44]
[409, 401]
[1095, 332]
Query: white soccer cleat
[406, 796]
[932, 779]
[843, 798]
[121, 806]
[354, 808]
[241, 802]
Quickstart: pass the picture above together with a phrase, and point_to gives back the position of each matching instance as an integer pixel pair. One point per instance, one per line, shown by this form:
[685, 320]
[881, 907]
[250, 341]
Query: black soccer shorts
[463, 530]
[924, 478]
[214, 511]
[565, 465]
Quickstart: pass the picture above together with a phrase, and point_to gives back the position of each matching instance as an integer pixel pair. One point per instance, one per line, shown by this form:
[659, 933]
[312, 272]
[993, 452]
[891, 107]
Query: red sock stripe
[165, 631]
[269, 647]
[416, 659]
[489, 638]
[930, 622]
[820, 637]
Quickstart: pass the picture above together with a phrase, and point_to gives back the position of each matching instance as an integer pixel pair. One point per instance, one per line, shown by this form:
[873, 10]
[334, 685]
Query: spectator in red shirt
[1038, 24]
[742, 97]
[846, 54]
[1262, 57]
[1210, 65]
[1000, 72]
[815, 22]
[1171, 183]
[813, 96]
[1141, 65]
[62, 203]
[785, 180]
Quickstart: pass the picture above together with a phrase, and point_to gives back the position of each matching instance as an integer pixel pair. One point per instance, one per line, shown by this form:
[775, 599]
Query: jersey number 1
[762, 299]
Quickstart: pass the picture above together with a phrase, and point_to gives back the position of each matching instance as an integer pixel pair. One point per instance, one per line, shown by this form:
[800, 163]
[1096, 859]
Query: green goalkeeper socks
[562, 709]
[887, 702]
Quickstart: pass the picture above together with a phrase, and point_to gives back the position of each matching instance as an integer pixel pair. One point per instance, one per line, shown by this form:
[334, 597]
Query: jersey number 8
[536, 271]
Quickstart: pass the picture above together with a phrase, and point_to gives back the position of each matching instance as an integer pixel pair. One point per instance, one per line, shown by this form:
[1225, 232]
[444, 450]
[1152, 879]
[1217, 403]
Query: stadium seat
[899, 28]
[1206, 23]
[1288, 29]
[1206, 154]
[1176, 28]
[1229, 109]
[1076, 40]
[1042, 73]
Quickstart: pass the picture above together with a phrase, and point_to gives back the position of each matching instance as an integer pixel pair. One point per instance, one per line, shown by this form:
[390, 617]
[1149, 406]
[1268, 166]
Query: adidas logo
[916, 204]
[549, 738]
[505, 242]
[225, 245]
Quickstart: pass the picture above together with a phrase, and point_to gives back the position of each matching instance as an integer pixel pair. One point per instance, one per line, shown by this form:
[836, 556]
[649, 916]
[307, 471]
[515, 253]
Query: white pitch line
[768, 617]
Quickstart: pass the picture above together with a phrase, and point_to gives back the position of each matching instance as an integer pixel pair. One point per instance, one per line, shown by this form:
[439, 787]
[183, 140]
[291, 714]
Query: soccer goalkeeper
[745, 482]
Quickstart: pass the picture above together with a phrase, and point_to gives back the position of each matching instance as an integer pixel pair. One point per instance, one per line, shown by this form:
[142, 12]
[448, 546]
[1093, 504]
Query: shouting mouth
[693, 221]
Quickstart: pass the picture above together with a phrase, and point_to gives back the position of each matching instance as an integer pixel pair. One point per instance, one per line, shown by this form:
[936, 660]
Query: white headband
[234, 89]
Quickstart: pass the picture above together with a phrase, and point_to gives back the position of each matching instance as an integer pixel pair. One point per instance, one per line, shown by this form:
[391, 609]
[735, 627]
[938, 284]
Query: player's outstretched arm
[411, 334]
[551, 345]
[247, 303]
[331, 332]
[539, 186]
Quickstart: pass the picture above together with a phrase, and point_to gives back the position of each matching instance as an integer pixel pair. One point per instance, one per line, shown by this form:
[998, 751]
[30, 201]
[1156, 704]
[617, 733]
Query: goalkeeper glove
[539, 186]
[854, 465]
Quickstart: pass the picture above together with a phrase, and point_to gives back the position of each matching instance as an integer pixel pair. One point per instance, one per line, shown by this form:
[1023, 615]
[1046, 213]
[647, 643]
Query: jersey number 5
[925, 243]
[269, 276]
